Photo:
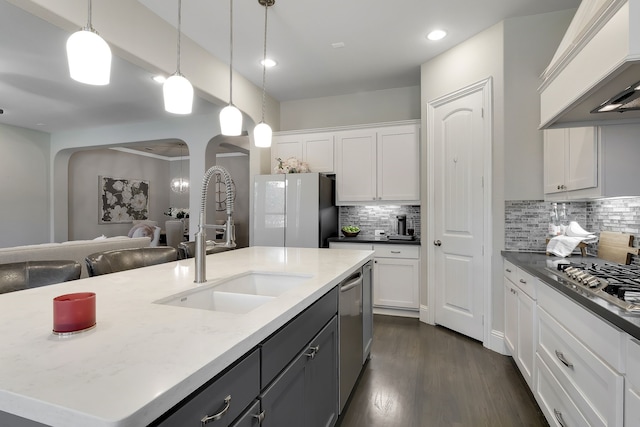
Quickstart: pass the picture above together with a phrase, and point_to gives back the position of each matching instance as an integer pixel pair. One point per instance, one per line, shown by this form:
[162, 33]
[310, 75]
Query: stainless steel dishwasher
[350, 324]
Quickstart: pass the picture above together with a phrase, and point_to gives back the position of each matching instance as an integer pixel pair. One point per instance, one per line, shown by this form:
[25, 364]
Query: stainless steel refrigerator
[295, 210]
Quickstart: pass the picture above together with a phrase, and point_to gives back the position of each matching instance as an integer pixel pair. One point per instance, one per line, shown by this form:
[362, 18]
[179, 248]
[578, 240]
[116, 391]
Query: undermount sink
[237, 294]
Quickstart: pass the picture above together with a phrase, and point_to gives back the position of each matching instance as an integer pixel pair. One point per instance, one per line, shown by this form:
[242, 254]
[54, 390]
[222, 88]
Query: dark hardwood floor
[421, 375]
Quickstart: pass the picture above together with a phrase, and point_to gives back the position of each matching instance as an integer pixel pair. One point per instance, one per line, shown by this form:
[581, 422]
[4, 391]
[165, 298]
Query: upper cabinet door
[285, 146]
[399, 163]
[356, 166]
[317, 150]
[554, 163]
[582, 167]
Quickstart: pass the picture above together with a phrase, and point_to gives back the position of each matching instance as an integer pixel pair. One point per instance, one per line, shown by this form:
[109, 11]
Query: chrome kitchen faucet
[229, 227]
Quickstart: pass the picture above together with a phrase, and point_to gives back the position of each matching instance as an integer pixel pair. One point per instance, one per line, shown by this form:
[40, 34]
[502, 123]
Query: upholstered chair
[17, 276]
[128, 259]
[174, 229]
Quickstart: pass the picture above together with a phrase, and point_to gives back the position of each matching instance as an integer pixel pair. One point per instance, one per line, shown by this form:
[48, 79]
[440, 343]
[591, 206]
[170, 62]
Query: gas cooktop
[616, 283]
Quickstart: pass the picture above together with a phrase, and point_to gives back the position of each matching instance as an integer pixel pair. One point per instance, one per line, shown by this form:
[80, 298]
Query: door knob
[437, 242]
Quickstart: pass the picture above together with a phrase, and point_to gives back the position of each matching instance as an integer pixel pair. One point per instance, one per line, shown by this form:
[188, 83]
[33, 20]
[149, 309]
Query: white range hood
[597, 61]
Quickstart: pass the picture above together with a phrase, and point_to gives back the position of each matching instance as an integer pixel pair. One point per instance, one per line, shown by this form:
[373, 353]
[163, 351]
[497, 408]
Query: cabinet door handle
[259, 417]
[215, 417]
[396, 252]
[437, 243]
[524, 282]
[559, 418]
[508, 270]
[561, 358]
[312, 352]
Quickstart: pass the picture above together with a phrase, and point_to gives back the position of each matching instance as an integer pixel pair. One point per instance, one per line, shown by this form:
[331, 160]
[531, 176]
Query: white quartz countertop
[142, 358]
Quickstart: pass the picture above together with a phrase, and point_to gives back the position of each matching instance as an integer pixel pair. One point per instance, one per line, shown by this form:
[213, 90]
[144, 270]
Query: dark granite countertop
[536, 264]
[374, 239]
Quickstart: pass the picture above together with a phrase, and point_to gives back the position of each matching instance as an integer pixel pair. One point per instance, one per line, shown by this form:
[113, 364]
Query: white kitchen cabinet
[583, 356]
[590, 162]
[378, 165]
[570, 159]
[632, 384]
[396, 276]
[520, 318]
[317, 149]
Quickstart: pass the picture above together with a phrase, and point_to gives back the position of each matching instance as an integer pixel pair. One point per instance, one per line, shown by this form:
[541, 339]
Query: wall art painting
[122, 200]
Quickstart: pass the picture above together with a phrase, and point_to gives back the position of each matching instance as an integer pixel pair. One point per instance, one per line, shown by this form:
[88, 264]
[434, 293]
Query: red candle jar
[74, 312]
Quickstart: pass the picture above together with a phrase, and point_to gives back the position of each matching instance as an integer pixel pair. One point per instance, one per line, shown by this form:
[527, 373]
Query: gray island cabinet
[149, 363]
[293, 374]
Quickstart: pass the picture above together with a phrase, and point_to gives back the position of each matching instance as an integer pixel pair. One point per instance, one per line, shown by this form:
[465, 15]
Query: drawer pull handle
[508, 270]
[559, 418]
[396, 252]
[524, 282]
[259, 417]
[561, 358]
[208, 418]
[312, 352]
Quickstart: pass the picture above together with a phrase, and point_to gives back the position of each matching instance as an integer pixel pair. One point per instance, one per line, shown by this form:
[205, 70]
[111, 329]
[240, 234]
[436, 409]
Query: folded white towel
[563, 245]
[574, 230]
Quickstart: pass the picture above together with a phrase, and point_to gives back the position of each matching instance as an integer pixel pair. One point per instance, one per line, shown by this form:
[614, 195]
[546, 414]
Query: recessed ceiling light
[159, 79]
[268, 63]
[437, 35]
[338, 45]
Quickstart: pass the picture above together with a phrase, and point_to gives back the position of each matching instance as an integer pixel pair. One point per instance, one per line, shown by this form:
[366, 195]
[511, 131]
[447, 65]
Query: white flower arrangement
[291, 165]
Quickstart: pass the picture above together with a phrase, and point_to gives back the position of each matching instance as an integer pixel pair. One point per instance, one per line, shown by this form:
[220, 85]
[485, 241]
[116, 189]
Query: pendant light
[180, 184]
[89, 56]
[262, 132]
[230, 116]
[177, 90]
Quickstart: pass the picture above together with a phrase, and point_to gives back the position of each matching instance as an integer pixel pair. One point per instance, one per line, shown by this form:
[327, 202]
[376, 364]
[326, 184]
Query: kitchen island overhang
[143, 358]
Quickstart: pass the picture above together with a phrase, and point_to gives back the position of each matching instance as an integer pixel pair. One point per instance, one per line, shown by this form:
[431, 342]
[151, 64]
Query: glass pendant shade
[89, 58]
[262, 135]
[230, 121]
[178, 95]
[180, 185]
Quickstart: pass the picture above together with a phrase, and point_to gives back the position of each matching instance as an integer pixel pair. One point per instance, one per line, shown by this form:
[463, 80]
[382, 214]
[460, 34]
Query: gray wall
[24, 186]
[360, 108]
[84, 169]
[511, 52]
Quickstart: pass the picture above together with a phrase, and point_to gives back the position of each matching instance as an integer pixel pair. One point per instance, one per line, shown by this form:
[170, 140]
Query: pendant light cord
[89, 25]
[231, 52]
[264, 60]
[179, 36]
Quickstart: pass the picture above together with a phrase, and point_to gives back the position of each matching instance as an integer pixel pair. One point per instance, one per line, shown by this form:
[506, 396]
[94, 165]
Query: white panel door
[285, 146]
[396, 283]
[459, 214]
[554, 160]
[582, 168]
[317, 150]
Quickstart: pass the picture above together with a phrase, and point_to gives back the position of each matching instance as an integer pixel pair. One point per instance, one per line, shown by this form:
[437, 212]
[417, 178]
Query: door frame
[486, 87]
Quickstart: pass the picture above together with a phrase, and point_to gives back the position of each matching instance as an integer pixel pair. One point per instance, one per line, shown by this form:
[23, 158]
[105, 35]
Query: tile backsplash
[371, 218]
[526, 221]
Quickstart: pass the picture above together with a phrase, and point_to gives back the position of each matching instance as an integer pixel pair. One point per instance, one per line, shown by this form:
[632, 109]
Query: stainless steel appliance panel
[351, 321]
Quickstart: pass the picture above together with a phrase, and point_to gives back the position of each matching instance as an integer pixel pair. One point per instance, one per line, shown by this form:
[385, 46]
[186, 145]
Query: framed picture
[122, 200]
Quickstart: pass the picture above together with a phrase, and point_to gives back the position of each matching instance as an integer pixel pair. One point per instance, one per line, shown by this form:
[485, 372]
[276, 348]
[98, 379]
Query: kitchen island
[143, 358]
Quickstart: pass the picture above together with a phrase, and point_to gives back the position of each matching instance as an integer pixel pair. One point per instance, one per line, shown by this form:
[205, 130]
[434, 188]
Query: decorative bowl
[350, 233]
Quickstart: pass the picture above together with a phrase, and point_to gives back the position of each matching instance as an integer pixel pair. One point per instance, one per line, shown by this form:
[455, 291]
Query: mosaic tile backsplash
[526, 220]
[371, 218]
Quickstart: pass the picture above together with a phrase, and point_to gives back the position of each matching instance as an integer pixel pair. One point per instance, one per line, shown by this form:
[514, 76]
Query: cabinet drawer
[284, 345]
[250, 418]
[633, 361]
[353, 246]
[596, 389]
[241, 383]
[396, 251]
[602, 338]
[554, 401]
[527, 283]
[510, 271]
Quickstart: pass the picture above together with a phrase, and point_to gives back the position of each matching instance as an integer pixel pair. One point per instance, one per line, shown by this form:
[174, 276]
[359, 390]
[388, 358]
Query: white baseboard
[396, 312]
[424, 314]
[496, 343]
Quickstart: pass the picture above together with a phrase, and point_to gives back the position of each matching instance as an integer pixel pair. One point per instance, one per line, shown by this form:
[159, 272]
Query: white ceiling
[384, 41]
